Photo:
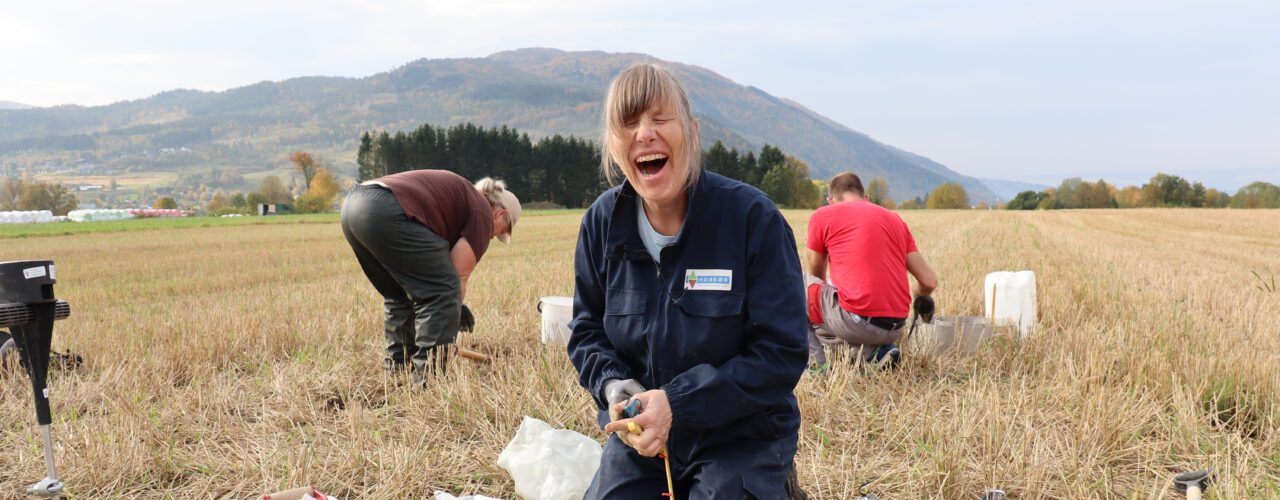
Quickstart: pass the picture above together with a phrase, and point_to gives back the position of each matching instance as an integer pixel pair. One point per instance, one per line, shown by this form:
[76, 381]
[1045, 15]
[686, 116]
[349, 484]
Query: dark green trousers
[409, 265]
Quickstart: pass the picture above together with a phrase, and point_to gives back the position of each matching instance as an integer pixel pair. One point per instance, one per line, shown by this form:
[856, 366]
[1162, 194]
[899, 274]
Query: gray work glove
[619, 391]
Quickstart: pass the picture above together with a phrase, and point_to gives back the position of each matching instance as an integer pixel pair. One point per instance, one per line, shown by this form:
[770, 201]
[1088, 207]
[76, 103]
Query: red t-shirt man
[869, 251]
[866, 246]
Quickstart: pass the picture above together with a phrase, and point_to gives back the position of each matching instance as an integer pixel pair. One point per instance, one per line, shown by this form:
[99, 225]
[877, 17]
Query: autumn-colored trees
[306, 165]
[10, 191]
[950, 195]
[1166, 190]
[1163, 190]
[19, 194]
[1257, 195]
[47, 196]
[320, 194]
[270, 190]
[878, 192]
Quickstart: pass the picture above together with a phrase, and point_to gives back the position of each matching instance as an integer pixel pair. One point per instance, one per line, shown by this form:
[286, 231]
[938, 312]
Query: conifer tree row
[557, 169]
[563, 170]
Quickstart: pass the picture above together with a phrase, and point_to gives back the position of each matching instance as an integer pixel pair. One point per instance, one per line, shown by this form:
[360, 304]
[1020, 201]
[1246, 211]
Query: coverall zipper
[653, 344]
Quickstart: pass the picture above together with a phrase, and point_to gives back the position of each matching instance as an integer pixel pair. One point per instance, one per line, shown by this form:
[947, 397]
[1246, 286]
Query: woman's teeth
[649, 164]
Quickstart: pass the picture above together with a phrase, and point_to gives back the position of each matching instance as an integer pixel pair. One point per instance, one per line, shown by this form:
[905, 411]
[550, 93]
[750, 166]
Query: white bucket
[955, 334]
[556, 313]
[1010, 299]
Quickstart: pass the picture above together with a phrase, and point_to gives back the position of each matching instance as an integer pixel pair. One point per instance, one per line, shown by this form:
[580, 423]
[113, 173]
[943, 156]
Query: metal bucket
[953, 334]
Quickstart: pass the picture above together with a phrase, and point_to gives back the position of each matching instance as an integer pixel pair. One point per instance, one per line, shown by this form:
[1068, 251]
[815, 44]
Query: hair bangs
[632, 92]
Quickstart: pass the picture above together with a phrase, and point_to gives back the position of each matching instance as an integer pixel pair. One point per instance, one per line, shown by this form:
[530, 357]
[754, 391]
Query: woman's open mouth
[651, 164]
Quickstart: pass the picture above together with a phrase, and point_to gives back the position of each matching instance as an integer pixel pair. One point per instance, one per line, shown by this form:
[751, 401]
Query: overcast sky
[1018, 90]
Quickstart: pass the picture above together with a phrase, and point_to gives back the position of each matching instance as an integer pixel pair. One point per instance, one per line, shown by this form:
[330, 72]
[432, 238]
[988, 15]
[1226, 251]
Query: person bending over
[418, 235]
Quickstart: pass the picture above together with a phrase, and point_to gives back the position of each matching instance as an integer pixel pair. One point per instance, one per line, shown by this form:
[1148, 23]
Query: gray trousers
[842, 329]
[409, 265]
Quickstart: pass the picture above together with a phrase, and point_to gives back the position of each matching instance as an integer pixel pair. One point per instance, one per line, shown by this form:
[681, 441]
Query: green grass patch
[158, 223]
[149, 224]
[551, 211]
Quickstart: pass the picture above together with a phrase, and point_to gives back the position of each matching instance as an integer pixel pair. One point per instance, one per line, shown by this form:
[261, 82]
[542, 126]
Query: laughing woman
[689, 305]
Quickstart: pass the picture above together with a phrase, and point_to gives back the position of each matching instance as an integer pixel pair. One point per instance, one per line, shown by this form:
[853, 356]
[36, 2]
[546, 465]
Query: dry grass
[234, 361]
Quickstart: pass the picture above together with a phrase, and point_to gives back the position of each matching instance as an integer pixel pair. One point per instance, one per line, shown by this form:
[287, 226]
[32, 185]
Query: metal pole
[49, 486]
[48, 453]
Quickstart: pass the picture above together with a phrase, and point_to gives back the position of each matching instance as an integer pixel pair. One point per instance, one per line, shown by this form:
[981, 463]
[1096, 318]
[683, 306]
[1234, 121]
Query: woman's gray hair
[632, 92]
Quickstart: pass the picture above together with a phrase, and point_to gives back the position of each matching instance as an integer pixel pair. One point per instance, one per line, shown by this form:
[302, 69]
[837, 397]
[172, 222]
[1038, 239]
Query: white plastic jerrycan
[1010, 299]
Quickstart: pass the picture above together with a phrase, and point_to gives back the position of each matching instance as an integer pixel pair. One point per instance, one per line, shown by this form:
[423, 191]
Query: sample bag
[550, 464]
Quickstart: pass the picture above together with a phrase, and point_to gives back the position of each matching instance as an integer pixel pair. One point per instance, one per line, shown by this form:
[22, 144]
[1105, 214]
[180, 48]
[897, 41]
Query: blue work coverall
[728, 360]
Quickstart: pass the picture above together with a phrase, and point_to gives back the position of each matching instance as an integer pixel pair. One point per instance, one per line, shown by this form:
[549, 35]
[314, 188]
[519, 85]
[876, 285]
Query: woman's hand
[654, 418]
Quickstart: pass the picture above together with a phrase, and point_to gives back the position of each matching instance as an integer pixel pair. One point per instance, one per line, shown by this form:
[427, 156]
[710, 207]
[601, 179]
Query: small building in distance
[274, 209]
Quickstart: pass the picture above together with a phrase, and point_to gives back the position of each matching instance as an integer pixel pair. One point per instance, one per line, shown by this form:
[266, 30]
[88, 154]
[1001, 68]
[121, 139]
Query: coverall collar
[624, 237]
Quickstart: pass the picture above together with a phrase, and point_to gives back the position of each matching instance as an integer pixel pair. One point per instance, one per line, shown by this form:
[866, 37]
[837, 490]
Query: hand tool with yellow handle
[633, 409]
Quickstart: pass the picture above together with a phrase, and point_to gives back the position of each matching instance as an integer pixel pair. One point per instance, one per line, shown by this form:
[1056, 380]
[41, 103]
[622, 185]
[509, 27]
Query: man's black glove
[923, 306]
[466, 322]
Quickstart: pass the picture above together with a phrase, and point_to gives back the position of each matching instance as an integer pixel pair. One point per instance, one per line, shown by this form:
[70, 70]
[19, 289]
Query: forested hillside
[544, 92]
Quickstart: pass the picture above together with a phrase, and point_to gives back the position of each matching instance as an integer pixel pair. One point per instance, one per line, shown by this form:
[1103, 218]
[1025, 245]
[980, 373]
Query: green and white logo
[708, 279]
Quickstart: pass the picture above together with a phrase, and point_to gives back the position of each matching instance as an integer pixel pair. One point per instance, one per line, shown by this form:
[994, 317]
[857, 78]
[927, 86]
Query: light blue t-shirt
[653, 241]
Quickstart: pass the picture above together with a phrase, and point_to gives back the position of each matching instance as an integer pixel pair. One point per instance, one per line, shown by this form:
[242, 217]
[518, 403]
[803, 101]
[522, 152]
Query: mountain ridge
[539, 91]
[14, 105]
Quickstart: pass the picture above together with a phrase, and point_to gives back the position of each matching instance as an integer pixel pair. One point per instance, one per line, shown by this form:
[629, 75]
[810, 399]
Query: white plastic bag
[550, 464]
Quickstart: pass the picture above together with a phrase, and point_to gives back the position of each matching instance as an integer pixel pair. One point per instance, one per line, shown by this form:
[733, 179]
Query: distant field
[123, 181]
[153, 224]
[255, 178]
[158, 223]
[242, 357]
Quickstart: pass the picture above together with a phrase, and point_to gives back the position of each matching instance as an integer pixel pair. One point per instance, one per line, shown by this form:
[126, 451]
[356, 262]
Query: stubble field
[233, 361]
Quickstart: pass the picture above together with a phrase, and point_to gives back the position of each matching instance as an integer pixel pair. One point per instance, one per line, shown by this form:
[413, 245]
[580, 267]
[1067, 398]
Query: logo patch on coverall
[708, 279]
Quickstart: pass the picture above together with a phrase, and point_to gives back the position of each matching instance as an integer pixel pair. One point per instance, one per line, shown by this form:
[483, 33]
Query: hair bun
[488, 186]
